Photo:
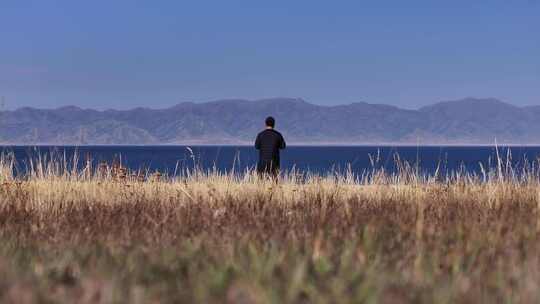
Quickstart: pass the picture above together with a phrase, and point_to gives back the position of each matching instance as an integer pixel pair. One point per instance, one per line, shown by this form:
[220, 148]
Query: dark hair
[270, 121]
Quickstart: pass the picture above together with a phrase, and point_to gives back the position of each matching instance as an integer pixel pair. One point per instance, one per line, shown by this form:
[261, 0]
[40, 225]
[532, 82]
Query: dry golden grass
[86, 235]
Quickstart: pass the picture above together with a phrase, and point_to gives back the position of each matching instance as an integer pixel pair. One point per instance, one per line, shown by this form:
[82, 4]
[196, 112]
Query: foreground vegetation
[104, 235]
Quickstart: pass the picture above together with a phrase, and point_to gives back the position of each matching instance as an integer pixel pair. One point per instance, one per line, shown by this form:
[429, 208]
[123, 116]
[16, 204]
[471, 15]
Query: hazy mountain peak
[69, 108]
[281, 100]
[469, 102]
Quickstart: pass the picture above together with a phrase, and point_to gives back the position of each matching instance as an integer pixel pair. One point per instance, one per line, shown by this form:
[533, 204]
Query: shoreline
[319, 145]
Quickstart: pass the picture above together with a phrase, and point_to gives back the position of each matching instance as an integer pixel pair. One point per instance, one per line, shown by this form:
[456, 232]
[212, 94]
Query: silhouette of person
[269, 142]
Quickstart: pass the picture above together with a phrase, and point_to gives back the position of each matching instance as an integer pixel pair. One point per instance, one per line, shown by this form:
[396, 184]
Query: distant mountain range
[467, 121]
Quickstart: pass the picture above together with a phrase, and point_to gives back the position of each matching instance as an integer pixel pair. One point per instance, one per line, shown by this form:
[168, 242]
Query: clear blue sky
[123, 54]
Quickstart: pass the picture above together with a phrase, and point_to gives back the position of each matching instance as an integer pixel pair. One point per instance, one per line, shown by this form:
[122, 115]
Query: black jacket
[269, 142]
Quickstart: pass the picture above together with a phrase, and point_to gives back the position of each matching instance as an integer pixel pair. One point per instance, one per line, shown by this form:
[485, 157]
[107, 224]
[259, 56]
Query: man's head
[270, 122]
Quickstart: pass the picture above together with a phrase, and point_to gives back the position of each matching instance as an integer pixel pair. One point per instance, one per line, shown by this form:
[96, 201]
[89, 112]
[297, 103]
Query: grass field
[102, 235]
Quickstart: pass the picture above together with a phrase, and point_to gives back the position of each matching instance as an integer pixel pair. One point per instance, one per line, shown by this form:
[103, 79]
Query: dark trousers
[268, 168]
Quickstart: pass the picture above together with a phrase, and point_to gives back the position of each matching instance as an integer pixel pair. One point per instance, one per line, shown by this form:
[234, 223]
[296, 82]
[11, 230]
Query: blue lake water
[319, 159]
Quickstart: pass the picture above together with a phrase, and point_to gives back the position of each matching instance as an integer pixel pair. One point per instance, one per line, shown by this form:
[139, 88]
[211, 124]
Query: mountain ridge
[237, 121]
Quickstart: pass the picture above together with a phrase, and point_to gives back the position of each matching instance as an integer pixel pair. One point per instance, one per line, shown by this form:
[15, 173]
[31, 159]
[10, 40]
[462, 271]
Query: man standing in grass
[269, 142]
